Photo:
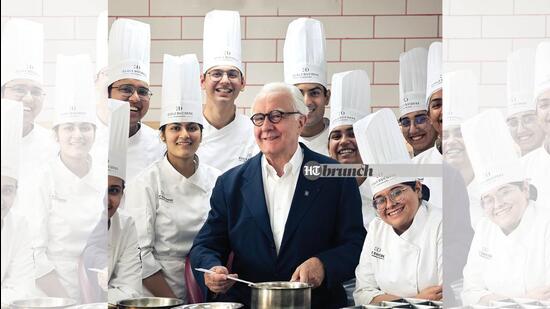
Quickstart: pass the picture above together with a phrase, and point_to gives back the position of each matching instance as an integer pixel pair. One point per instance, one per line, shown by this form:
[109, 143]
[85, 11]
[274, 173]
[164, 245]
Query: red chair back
[194, 293]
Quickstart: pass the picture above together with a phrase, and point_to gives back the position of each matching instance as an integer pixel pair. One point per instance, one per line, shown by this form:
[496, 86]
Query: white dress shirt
[279, 192]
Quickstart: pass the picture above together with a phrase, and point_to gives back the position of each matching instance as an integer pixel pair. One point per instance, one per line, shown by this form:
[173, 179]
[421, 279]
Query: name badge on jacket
[163, 197]
[377, 253]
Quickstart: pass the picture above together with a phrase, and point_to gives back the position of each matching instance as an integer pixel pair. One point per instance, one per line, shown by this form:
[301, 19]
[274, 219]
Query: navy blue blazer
[324, 221]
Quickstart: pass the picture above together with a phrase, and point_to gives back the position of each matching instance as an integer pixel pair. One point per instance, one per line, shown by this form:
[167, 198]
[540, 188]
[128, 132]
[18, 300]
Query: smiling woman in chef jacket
[402, 254]
[170, 200]
[67, 204]
[17, 259]
[510, 253]
[350, 102]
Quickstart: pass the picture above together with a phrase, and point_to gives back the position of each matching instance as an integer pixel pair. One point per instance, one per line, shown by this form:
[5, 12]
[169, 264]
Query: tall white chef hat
[129, 50]
[74, 90]
[520, 75]
[221, 44]
[350, 98]
[492, 150]
[542, 69]
[380, 141]
[12, 132]
[118, 137]
[181, 90]
[460, 97]
[435, 78]
[22, 51]
[412, 80]
[304, 52]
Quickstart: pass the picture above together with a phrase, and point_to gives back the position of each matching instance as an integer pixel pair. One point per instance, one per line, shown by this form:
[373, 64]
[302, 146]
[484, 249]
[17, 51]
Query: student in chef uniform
[305, 67]
[414, 120]
[67, 203]
[522, 110]
[128, 80]
[228, 136]
[434, 103]
[510, 252]
[402, 254]
[22, 80]
[461, 97]
[351, 102]
[17, 259]
[537, 163]
[124, 273]
[170, 200]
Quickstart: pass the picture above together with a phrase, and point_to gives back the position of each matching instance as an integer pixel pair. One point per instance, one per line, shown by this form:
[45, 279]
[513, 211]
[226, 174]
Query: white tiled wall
[361, 34]
[479, 35]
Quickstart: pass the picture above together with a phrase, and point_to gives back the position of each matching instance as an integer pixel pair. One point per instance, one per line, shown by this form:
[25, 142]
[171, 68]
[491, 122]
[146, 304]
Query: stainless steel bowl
[149, 302]
[281, 294]
[212, 306]
[43, 302]
[90, 306]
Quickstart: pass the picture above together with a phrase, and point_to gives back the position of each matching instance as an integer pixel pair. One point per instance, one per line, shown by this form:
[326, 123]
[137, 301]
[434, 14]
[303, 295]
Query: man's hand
[431, 293]
[219, 283]
[310, 271]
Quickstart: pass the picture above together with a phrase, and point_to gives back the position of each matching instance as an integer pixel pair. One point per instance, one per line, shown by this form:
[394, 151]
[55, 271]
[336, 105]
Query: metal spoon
[228, 277]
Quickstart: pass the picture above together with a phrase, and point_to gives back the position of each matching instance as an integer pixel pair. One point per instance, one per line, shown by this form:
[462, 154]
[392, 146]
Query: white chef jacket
[144, 148]
[536, 165]
[369, 213]
[17, 259]
[432, 156]
[509, 265]
[37, 149]
[65, 209]
[279, 192]
[229, 146]
[124, 259]
[319, 142]
[169, 211]
[401, 265]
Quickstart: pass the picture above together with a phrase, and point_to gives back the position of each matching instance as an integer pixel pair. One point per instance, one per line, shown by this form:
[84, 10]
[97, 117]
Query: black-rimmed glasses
[274, 116]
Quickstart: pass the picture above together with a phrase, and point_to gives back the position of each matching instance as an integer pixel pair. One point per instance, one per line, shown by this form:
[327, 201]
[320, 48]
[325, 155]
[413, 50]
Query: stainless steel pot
[281, 295]
[212, 306]
[43, 302]
[149, 302]
[90, 306]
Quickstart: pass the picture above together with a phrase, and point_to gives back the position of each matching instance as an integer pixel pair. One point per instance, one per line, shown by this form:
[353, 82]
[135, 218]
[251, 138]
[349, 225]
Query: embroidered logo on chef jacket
[163, 197]
[377, 253]
[485, 253]
[55, 197]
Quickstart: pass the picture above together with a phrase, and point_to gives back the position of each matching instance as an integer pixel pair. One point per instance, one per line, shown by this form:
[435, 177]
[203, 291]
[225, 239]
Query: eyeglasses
[21, 91]
[525, 120]
[489, 200]
[395, 195]
[216, 75]
[418, 120]
[274, 116]
[128, 90]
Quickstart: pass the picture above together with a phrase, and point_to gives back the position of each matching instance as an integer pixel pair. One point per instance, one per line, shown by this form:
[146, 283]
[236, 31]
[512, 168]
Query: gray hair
[297, 98]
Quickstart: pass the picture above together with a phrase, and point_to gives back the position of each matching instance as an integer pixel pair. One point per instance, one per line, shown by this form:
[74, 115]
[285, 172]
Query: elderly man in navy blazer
[280, 225]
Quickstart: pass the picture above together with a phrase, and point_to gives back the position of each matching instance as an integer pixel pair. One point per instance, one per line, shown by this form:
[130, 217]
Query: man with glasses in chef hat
[128, 80]
[227, 137]
[22, 81]
[305, 67]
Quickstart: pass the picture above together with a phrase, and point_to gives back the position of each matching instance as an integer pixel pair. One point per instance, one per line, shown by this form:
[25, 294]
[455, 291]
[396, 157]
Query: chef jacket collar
[96, 177]
[418, 224]
[199, 178]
